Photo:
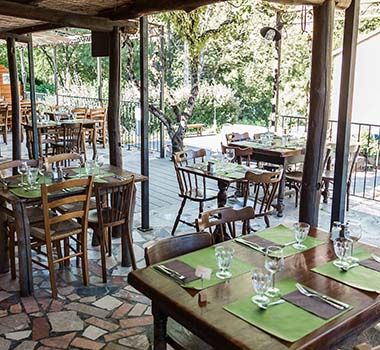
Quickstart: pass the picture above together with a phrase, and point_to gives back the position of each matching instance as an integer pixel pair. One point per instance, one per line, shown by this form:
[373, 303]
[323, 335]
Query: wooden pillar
[55, 73]
[99, 79]
[113, 114]
[345, 111]
[162, 91]
[15, 92]
[277, 74]
[22, 66]
[144, 122]
[33, 99]
[320, 89]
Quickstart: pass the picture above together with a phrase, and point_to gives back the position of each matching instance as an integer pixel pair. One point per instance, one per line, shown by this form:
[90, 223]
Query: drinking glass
[353, 233]
[90, 167]
[224, 258]
[22, 170]
[43, 169]
[261, 280]
[301, 230]
[274, 262]
[31, 178]
[342, 249]
[82, 164]
[230, 154]
[99, 161]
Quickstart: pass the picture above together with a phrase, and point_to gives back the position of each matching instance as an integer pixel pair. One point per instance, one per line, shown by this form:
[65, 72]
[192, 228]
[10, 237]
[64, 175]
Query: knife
[288, 244]
[162, 269]
[341, 303]
[250, 245]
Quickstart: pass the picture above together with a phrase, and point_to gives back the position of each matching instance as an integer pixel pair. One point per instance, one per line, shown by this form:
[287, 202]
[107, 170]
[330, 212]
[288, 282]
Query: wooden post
[113, 115]
[55, 72]
[162, 91]
[144, 122]
[99, 78]
[277, 72]
[320, 89]
[345, 111]
[33, 99]
[15, 92]
[22, 66]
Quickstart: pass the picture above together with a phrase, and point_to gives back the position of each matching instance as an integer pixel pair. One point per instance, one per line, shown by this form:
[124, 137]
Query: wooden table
[274, 155]
[44, 127]
[223, 330]
[15, 206]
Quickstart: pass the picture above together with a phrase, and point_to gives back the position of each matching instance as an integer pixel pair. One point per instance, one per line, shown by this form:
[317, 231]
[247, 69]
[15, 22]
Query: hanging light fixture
[270, 33]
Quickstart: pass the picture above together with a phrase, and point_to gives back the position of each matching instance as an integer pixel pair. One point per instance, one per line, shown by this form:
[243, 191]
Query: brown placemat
[182, 268]
[312, 305]
[262, 242]
[371, 264]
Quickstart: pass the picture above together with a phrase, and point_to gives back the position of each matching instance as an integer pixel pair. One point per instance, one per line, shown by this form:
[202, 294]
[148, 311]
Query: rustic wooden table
[222, 330]
[15, 206]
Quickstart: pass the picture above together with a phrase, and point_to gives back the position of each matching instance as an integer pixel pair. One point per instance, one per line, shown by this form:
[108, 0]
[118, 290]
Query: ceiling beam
[149, 7]
[36, 28]
[19, 38]
[62, 18]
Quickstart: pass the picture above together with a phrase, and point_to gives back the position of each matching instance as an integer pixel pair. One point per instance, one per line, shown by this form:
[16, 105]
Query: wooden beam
[15, 94]
[36, 28]
[340, 4]
[148, 7]
[58, 17]
[144, 37]
[345, 111]
[16, 37]
[113, 114]
[320, 90]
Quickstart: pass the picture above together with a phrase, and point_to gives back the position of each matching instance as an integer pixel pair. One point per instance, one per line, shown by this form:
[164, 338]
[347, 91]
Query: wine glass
[301, 230]
[22, 169]
[99, 161]
[342, 249]
[43, 168]
[31, 178]
[353, 232]
[230, 154]
[274, 262]
[224, 258]
[261, 280]
[82, 164]
[90, 166]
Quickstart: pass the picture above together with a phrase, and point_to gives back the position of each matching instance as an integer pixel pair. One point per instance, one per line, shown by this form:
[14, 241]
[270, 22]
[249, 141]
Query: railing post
[162, 91]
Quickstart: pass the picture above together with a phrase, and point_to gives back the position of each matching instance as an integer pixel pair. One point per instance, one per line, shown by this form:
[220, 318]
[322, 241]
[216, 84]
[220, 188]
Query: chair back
[241, 154]
[235, 136]
[98, 113]
[72, 137]
[81, 199]
[4, 115]
[187, 157]
[62, 159]
[11, 165]
[172, 247]
[224, 221]
[263, 190]
[114, 202]
[80, 113]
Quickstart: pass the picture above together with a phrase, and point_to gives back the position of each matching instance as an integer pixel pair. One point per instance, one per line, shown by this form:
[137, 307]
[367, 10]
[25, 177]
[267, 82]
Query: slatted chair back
[62, 159]
[72, 137]
[175, 246]
[97, 113]
[9, 166]
[242, 155]
[222, 222]
[114, 202]
[262, 190]
[4, 114]
[80, 113]
[189, 157]
[235, 136]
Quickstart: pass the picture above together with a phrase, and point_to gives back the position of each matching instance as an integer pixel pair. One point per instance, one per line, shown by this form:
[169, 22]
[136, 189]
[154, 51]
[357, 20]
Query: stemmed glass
[301, 230]
[99, 161]
[82, 164]
[274, 262]
[353, 233]
[90, 167]
[230, 154]
[224, 258]
[342, 249]
[22, 169]
[31, 178]
[261, 280]
[43, 168]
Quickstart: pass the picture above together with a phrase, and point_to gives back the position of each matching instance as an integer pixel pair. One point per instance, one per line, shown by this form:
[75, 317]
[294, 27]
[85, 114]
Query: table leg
[125, 256]
[4, 253]
[24, 249]
[160, 322]
[222, 194]
[281, 190]
[94, 149]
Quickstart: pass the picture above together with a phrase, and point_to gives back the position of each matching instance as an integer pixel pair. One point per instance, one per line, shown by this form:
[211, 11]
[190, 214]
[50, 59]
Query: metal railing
[129, 115]
[365, 181]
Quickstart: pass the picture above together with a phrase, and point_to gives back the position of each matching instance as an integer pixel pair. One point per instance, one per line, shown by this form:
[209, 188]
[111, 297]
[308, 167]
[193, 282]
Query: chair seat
[198, 196]
[294, 176]
[58, 231]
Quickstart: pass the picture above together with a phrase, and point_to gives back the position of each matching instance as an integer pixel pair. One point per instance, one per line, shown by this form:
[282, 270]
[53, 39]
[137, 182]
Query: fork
[303, 291]
[375, 257]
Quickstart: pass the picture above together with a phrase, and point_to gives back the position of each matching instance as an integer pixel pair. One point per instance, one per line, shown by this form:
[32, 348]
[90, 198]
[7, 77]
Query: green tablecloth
[285, 321]
[206, 257]
[282, 235]
[358, 277]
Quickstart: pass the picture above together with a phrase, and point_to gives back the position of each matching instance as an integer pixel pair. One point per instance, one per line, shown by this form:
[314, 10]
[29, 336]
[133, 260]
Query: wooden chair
[100, 115]
[4, 121]
[191, 186]
[72, 140]
[62, 159]
[113, 209]
[62, 228]
[80, 113]
[259, 192]
[242, 155]
[172, 247]
[34, 213]
[221, 222]
[328, 176]
[235, 136]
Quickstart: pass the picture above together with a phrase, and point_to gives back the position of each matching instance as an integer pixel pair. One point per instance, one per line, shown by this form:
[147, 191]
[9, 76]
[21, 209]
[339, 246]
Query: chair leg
[57, 246]
[176, 222]
[109, 237]
[200, 209]
[12, 253]
[348, 196]
[266, 219]
[128, 234]
[325, 192]
[84, 260]
[103, 254]
[53, 285]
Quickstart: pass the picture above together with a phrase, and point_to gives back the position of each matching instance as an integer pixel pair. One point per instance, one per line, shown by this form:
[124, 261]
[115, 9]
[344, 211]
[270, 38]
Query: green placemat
[285, 321]
[81, 172]
[21, 192]
[282, 235]
[358, 277]
[206, 257]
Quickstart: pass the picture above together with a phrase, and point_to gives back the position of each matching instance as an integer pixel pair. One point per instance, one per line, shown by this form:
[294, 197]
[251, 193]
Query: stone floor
[114, 316]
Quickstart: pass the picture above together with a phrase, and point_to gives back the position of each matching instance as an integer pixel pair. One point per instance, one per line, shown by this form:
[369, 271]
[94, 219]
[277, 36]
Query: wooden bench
[197, 127]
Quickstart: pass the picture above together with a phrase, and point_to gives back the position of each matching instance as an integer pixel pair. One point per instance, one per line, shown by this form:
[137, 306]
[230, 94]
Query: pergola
[20, 18]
